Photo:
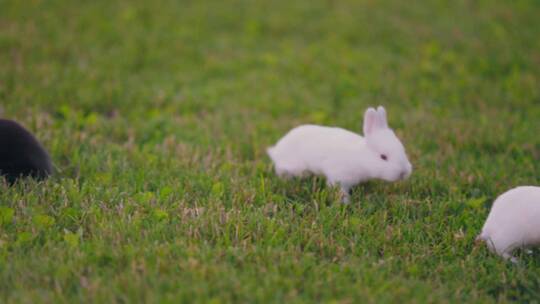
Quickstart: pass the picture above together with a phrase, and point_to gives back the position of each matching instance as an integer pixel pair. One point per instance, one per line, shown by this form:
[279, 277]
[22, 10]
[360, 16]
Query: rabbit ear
[371, 121]
[383, 122]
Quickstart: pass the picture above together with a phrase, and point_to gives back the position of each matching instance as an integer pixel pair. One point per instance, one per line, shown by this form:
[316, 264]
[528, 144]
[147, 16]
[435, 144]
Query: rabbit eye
[384, 157]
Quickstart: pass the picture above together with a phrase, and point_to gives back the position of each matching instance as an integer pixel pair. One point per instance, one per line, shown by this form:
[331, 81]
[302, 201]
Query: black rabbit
[21, 155]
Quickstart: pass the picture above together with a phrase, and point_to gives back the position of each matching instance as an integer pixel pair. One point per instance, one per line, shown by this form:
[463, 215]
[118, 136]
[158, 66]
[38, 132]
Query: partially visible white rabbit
[343, 157]
[513, 222]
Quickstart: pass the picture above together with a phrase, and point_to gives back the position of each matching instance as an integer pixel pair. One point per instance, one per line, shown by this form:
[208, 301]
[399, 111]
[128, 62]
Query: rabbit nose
[409, 168]
[405, 174]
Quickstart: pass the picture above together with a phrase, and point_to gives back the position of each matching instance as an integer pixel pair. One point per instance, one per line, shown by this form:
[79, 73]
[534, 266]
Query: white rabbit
[343, 157]
[513, 222]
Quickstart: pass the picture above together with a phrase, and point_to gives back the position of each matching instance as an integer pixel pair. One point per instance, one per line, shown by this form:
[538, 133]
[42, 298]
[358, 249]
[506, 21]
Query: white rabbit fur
[343, 157]
[513, 222]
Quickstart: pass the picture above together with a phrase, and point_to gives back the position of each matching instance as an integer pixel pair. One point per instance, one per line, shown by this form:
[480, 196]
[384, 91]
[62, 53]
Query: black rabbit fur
[21, 155]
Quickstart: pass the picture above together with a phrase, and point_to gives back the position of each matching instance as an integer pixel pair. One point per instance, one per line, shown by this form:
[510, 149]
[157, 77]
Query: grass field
[157, 115]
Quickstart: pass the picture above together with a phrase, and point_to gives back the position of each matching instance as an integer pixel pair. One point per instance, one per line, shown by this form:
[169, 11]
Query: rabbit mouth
[406, 173]
[403, 175]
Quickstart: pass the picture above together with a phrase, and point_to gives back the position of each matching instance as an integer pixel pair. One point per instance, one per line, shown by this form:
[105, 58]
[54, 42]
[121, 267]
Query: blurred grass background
[157, 115]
